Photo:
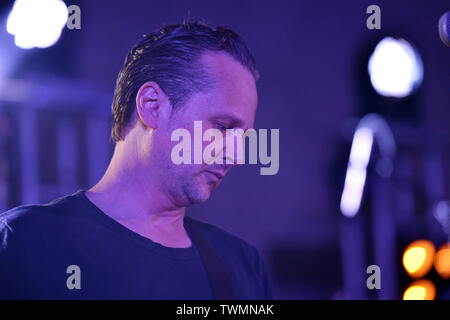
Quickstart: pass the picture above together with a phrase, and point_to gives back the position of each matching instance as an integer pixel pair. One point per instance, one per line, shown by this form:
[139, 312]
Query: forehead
[234, 91]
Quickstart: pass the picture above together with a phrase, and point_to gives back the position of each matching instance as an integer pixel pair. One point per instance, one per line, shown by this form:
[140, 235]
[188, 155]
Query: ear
[149, 102]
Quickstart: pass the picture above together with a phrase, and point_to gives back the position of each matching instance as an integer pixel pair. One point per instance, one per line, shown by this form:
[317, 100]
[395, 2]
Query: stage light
[395, 68]
[418, 258]
[371, 128]
[442, 261]
[420, 290]
[37, 23]
[355, 178]
[444, 28]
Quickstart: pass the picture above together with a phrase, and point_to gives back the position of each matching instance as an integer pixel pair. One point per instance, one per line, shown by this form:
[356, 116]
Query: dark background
[309, 55]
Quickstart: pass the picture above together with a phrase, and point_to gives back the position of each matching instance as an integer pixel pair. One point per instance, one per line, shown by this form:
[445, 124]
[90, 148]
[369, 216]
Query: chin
[197, 193]
[200, 196]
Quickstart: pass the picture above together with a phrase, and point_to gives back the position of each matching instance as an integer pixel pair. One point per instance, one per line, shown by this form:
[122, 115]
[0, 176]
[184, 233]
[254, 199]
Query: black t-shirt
[42, 246]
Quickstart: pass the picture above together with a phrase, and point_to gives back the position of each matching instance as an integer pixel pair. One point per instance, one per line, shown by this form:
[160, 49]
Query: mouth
[216, 174]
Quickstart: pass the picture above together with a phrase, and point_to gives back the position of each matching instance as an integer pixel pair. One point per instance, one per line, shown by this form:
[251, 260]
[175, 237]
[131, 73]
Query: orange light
[442, 261]
[418, 258]
[420, 290]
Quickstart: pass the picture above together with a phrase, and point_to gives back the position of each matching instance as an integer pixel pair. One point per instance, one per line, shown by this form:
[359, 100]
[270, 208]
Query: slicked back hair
[171, 58]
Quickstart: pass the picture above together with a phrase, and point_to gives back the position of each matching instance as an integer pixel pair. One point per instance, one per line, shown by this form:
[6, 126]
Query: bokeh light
[418, 258]
[395, 68]
[442, 261]
[37, 23]
[420, 290]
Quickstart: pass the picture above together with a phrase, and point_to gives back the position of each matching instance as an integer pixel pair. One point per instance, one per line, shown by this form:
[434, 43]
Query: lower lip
[212, 176]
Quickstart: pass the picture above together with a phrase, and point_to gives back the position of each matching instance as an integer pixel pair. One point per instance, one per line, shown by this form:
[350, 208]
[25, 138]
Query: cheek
[183, 175]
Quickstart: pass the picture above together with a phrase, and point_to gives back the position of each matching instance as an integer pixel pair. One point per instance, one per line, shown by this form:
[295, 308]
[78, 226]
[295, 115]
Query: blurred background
[364, 147]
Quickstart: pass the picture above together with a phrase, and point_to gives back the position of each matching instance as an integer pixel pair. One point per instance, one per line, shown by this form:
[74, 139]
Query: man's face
[230, 104]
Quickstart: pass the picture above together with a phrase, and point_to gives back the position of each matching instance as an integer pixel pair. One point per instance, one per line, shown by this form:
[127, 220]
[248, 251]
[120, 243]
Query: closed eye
[221, 126]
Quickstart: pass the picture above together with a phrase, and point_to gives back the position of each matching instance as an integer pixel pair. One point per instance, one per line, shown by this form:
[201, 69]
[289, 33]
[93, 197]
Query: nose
[231, 161]
[234, 149]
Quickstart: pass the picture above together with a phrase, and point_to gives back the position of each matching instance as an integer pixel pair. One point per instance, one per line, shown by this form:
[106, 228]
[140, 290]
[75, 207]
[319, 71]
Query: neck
[136, 201]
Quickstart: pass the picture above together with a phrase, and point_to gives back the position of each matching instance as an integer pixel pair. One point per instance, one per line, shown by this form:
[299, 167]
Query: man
[128, 237]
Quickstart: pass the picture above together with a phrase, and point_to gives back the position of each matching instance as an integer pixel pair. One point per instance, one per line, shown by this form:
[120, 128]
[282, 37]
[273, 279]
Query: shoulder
[24, 221]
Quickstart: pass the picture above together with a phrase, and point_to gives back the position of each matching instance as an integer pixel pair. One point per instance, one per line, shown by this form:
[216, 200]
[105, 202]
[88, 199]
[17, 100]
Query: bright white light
[361, 147]
[37, 23]
[395, 68]
[355, 178]
[371, 128]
